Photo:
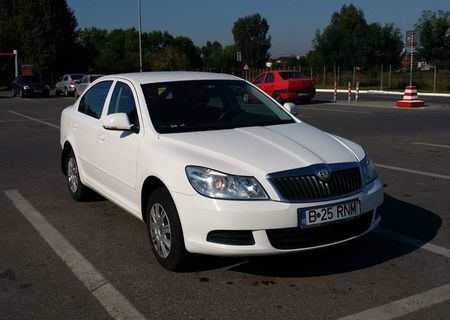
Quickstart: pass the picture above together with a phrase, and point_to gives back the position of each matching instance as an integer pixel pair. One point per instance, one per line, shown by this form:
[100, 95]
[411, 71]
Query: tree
[44, 32]
[251, 39]
[434, 30]
[212, 55]
[341, 41]
[349, 41]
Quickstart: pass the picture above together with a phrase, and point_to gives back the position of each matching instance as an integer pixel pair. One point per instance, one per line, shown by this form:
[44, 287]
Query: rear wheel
[277, 96]
[77, 190]
[164, 230]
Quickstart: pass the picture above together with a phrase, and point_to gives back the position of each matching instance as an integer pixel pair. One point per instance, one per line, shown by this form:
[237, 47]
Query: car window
[122, 100]
[185, 106]
[260, 78]
[269, 78]
[76, 76]
[292, 75]
[65, 78]
[93, 101]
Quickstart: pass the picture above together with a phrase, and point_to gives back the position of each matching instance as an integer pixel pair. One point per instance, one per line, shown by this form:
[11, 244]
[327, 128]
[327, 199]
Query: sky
[293, 23]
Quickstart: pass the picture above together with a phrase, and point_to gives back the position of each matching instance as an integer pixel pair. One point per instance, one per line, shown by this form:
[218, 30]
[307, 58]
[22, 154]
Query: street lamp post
[140, 36]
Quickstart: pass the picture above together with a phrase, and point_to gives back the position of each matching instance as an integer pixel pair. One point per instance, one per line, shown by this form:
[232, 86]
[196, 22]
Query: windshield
[185, 106]
[286, 75]
[30, 79]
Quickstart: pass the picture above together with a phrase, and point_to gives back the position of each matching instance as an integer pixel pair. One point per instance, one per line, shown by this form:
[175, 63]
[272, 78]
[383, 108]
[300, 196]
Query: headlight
[368, 169]
[214, 184]
[26, 88]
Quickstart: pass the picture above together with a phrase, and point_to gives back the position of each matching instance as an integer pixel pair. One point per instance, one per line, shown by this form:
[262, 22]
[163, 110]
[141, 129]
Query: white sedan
[213, 172]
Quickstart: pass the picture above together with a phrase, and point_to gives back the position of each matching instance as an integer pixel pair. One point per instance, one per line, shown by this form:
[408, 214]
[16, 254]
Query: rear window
[286, 75]
[76, 76]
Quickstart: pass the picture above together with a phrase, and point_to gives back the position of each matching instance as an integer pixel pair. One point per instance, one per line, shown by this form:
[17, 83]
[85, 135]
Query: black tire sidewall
[177, 254]
[277, 97]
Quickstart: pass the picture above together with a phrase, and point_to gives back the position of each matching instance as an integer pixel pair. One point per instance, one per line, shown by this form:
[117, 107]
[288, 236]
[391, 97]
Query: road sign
[238, 56]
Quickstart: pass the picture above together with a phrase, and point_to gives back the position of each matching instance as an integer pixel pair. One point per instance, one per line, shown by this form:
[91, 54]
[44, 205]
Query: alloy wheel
[72, 175]
[160, 231]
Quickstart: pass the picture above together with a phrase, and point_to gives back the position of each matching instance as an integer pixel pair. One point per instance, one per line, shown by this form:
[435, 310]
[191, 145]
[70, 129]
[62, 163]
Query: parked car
[84, 83]
[26, 86]
[211, 174]
[286, 85]
[66, 84]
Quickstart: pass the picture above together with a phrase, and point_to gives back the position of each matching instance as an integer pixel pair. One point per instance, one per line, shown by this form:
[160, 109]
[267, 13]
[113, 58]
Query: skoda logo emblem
[324, 174]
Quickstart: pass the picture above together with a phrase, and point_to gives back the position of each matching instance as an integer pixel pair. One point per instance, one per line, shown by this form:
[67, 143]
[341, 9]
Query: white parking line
[111, 299]
[410, 304]
[404, 306]
[431, 144]
[414, 242]
[35, 119]
[23, 120]
[423, 173]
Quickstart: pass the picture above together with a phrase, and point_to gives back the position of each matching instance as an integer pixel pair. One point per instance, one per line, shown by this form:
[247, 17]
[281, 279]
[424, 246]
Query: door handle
[75, 127]
[101, 137]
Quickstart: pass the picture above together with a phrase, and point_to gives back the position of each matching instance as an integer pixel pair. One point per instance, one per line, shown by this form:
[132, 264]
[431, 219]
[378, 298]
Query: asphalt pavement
[400, 270]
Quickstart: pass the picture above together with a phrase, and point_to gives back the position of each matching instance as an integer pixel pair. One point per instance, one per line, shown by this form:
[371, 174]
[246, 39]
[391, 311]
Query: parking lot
[60, 259]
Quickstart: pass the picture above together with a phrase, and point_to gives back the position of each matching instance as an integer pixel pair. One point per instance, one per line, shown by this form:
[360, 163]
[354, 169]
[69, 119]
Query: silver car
[84, 83]
[66, 84]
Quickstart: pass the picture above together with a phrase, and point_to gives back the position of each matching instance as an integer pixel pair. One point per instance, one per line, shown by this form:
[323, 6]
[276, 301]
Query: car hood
[262, 150]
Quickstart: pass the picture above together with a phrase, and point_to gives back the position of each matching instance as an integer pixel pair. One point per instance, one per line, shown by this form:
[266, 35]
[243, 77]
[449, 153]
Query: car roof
[167, 76]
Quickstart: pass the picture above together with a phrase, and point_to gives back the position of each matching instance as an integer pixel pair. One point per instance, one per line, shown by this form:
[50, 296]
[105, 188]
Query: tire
[164, 230]
[22, 94]
[13, 93]
[277, 97]
[77, 190]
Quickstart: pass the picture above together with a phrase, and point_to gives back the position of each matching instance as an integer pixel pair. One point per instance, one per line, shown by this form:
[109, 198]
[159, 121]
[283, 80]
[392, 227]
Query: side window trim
[135, 97]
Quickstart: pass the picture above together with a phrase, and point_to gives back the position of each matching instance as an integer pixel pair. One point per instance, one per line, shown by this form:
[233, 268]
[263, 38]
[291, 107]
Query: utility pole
[140, 35]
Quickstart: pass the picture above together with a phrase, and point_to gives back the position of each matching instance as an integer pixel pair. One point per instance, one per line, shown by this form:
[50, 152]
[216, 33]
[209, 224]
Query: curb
[386, 92]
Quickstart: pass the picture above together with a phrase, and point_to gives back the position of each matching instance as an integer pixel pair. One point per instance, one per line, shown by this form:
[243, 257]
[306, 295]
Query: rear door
[87, 129]
[268, 85]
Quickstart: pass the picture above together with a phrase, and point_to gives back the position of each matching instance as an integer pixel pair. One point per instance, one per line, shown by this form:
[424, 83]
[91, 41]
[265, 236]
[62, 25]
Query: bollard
[335, 92]
[349, 92]
[357, 91]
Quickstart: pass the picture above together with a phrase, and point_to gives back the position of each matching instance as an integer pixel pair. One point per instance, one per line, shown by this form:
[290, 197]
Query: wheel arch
[67, 147]
[150, 184]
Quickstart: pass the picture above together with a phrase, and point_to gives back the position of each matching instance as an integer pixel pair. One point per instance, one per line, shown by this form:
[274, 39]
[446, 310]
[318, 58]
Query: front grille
[296, 238]
[312, 188]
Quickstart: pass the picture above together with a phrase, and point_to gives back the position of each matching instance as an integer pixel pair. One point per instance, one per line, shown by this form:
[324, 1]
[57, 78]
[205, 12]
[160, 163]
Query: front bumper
[265, 222]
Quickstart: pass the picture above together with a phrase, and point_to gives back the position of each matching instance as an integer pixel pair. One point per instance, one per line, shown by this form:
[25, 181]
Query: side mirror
[291, 108]
[117, 121]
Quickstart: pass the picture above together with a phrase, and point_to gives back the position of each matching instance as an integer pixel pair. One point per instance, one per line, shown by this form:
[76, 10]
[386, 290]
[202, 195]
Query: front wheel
[164, 230]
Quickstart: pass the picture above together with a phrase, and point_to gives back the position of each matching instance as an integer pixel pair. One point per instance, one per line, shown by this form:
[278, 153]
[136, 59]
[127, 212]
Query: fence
[382, 78]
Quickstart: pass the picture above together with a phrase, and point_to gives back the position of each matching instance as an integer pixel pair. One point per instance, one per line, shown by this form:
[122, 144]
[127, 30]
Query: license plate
[320, 215]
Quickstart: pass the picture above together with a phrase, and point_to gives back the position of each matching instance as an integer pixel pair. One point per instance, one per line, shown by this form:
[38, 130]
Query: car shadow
[372, 249]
